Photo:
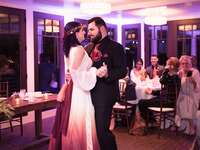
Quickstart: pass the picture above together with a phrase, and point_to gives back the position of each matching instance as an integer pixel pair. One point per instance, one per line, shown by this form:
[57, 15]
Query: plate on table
[3, 98]
[38, 95]
[49, 94]
[26, 99]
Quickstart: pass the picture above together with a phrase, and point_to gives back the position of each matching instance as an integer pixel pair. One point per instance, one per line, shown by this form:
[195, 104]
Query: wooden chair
[163, 113]
[4, 92]
[4, 89]
[12, 83]
[122, 108]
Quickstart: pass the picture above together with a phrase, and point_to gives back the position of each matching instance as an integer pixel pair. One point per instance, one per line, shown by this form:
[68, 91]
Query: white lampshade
[95, 7]
[155, 20]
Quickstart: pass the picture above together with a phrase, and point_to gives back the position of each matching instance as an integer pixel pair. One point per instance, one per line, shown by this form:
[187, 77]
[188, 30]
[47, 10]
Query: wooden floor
[168, 140]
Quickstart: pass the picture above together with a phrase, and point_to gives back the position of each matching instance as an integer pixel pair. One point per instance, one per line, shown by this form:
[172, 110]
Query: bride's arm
[84, 79]
[76, 56]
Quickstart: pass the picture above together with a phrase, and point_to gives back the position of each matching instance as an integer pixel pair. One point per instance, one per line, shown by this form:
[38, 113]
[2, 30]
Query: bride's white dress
[81, 133]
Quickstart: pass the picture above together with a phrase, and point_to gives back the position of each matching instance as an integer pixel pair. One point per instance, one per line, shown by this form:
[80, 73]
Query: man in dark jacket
[106, 91]
[154, 69]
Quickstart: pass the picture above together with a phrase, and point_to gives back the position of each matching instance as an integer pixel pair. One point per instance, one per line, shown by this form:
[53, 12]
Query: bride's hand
[61, 94]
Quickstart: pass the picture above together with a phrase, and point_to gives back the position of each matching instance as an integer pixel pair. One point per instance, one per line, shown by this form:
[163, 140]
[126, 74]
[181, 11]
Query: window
[112, 31]
[157, 42]
[48, 38]
[187, 37]
[12, 48]
[48, 41]
[131, 43]
[184, 38]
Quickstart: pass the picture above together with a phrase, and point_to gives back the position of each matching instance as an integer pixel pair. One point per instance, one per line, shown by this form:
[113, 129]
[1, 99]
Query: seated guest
[136, 71]
[143, 82]
[188, 100]
[170, 86]
[171, 82]
[155, 68]
[169, 79]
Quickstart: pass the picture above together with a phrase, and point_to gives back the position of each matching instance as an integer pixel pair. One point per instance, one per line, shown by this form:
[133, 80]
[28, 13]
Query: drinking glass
[22, 93]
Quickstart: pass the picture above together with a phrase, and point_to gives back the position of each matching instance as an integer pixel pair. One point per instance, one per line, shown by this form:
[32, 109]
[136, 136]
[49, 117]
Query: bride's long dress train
[81, 130]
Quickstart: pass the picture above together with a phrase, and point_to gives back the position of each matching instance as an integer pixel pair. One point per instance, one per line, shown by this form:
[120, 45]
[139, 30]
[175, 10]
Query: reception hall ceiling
[175, 8]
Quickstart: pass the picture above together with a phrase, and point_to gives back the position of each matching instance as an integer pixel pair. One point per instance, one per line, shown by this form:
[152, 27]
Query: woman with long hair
[136, 72]
[74, 127]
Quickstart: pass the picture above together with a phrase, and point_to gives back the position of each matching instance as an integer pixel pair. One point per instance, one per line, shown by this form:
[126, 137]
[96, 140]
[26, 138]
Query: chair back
[169, 95]
[12, 83]
[130, 93]
[122, 87]
[3, 89]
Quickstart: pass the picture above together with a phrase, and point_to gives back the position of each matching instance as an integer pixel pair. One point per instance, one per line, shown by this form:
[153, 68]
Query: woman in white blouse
[137, 71]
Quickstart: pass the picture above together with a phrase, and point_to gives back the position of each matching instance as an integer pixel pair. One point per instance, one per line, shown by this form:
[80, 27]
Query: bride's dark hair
[70, 39]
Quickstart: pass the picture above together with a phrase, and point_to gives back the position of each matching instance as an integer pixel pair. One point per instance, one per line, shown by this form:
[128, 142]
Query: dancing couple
[83, 116]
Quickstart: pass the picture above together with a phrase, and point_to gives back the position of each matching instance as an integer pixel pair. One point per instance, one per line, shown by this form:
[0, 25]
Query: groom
[106, 91]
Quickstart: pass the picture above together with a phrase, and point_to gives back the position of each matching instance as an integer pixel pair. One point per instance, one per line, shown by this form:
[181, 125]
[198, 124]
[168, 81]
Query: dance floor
[168, 140]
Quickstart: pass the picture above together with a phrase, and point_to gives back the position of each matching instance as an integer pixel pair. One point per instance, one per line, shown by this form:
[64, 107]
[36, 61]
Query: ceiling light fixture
[155, 20]
[95, 7]
[155, 16]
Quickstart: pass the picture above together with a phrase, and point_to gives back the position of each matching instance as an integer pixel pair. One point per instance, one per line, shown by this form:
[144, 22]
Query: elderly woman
[188, 100]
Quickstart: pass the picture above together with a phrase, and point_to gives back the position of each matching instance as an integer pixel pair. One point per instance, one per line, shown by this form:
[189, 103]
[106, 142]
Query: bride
[74, 127]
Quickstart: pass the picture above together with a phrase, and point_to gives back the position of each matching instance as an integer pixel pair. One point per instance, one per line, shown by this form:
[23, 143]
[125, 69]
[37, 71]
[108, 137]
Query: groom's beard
[97, 38]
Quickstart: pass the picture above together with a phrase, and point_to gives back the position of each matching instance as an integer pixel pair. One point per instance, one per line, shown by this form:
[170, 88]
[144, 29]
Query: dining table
[153, 84]
[37, 104]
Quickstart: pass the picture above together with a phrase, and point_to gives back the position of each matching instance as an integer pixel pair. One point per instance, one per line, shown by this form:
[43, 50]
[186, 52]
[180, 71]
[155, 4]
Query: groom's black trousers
[105, 136]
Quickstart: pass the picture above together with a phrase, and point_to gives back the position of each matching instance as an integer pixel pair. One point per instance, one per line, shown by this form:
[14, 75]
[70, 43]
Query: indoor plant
[6, 109]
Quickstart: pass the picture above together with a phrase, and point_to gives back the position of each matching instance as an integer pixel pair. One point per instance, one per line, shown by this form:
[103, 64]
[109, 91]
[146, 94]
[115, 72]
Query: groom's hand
[105, 70]
[102, 71]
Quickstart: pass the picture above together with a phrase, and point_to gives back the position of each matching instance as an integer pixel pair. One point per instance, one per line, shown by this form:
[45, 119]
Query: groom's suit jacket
[106, 90]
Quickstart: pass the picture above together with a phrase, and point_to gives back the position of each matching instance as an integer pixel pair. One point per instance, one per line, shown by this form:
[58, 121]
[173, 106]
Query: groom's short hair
[98, 21]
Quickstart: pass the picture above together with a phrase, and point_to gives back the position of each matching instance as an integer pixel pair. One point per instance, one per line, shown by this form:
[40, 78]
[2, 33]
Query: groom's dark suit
[106, 91]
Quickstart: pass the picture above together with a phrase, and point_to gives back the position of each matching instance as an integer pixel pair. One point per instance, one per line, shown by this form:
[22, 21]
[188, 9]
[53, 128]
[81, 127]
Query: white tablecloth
[153, 84]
